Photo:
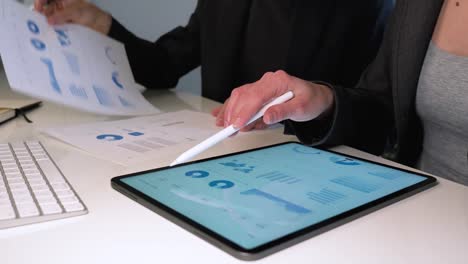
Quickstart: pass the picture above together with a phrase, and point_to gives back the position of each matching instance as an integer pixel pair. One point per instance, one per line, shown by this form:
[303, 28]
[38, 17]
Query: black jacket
[331, 40]
[379, 115]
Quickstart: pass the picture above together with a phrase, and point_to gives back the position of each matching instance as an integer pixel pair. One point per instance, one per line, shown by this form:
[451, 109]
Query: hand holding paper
[69, 65]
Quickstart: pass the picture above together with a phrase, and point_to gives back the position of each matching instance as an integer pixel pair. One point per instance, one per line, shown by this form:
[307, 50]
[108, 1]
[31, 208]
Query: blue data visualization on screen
[256, 197]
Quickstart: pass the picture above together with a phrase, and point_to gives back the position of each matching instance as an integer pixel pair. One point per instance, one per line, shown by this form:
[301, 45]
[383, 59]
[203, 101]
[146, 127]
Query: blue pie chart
[197, 174]
[109, 137]
[344, 161]
[221, 184]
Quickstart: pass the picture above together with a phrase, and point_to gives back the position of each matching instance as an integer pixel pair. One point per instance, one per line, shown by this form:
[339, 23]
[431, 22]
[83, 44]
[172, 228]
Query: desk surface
[430, 227]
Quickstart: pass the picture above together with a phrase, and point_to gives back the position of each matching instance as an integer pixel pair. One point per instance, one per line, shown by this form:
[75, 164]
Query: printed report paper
[70, 65]
[138, 139]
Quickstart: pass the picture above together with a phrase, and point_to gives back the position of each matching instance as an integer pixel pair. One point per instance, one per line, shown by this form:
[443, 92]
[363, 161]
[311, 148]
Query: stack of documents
[138, 139]
[70, 65]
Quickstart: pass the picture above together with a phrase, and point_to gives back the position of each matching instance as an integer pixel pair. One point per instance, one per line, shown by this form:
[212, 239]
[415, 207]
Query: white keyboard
[32, 188]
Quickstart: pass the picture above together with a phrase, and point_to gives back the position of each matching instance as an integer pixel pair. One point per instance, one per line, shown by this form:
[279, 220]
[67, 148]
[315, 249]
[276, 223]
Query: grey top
[442, 104]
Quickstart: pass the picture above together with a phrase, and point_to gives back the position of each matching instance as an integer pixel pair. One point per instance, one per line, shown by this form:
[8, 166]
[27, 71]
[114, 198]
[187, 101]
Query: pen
[228, 131]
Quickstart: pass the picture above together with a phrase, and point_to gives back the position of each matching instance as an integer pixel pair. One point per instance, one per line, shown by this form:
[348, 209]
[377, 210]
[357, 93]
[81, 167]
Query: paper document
[71, 65]
[138, 139]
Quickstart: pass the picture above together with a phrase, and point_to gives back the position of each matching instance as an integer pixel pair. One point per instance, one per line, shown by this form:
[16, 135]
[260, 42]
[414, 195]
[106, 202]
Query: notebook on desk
[10, 109]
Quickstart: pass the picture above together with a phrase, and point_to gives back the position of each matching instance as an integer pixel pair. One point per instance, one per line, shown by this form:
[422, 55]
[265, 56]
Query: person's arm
[361, 117]
[154, 65]
[160, 64]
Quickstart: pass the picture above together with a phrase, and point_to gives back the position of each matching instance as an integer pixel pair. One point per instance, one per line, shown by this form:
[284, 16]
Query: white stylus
[228, 131]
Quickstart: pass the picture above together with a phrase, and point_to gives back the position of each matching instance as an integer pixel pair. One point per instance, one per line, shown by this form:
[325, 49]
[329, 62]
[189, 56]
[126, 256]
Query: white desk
[430, 227]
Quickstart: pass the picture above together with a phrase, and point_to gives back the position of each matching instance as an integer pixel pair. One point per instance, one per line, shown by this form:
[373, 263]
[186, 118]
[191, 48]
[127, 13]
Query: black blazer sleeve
[363, 116]
[162, 63]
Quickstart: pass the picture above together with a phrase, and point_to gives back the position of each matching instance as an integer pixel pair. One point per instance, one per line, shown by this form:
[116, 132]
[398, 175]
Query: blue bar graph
[78, 91]
[294, 208]
[72, 61]
[102, 96]
[53, 80]
[326, 196]
[356, 184]
[276, 176]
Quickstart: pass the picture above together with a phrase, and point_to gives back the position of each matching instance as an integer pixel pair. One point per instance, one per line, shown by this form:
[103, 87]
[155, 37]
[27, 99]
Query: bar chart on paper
[137, 139]
[69, 65]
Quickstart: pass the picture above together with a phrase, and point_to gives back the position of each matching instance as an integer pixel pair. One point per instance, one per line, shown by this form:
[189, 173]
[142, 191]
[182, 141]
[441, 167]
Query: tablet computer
[256, 202]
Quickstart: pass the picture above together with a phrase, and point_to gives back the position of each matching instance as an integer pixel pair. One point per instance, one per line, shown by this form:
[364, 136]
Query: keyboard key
[64, 193]
[43, 200]
[14, 180]
[73, 207]
[49, 169]
[60, 186]
[18, 187]
[50, 208]
[36, 182]
[68, 200]
[7, 212]
[27, 210]
[40, 188]
[23, 199]
[39, 193]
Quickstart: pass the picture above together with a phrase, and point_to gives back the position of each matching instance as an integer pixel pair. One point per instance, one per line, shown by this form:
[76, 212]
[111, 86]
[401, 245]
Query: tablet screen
[256, 197]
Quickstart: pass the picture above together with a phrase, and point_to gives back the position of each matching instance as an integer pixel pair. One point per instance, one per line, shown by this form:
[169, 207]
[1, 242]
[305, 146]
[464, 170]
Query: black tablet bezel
[279, 243]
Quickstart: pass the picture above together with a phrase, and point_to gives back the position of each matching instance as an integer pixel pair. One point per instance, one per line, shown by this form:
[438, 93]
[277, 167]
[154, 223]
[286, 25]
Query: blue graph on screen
[221, 184]
[356, 184]
[279, 177]
[326, 196]
[197, 174]
[238, 166]
[291, 207]
[386, 175]
[344, 161]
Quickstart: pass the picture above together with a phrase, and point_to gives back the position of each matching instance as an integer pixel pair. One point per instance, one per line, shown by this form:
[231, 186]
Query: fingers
[219, 114]
[47, 7]
[257, 125]
[247, 100]
[80, 12]
[310, 100]
[215, 111]
[74, 13]
[39, 5]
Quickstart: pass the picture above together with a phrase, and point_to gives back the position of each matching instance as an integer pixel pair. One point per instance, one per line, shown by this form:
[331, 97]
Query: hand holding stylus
[228, 131]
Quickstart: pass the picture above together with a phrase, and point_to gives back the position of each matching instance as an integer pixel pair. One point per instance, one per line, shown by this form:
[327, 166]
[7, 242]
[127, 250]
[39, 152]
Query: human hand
[310, 100]
[218, 113]
[75, 11]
